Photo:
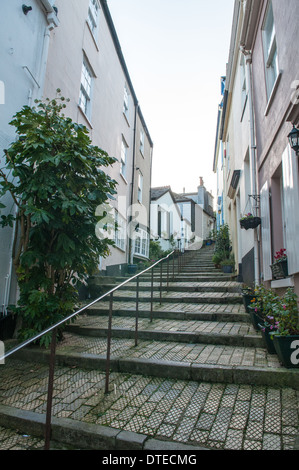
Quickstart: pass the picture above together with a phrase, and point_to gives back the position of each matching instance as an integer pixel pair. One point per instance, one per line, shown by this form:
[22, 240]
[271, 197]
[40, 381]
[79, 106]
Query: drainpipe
[252, 156]
[130, 254]
[53, 22]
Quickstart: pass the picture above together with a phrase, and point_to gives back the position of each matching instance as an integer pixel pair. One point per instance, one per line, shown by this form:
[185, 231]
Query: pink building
[270, 36]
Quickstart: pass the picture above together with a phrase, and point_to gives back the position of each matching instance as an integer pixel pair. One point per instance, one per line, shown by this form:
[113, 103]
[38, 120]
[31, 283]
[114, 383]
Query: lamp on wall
[26, 9]
[294, 139]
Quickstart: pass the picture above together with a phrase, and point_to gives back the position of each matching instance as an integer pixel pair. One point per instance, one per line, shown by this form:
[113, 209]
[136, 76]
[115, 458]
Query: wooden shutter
[291, 207]
[266, 233]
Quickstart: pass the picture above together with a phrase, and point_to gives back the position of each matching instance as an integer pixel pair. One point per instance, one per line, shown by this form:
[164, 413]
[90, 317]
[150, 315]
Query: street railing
[174, 263]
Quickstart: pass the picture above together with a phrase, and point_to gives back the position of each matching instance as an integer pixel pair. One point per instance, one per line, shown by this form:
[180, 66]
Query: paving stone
[234, 414]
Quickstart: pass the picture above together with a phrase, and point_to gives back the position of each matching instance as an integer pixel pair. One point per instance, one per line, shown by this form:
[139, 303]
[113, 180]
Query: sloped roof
[156, 193]
[182, 197]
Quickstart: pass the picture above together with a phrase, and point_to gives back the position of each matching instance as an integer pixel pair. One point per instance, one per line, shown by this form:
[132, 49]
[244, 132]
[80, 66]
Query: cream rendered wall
[236, 141]
[106, 123]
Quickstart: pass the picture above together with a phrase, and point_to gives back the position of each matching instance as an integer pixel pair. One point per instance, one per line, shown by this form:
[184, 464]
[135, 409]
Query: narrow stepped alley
[199, 377]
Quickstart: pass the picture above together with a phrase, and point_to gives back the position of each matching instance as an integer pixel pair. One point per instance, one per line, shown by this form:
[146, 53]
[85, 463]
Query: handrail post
[160, 283]
[137, 309]
[109, 334]
[173, 256]
[152, 294]
[167, 273]
[50, 390]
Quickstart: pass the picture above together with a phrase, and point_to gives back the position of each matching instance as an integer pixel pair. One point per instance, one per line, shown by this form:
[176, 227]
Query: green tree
[59, 180]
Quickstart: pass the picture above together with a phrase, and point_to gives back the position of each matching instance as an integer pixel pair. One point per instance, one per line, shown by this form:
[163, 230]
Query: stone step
[224, 333]
[201, 312]
[199, 375]
[221, 277]
[143, 413]
[182, 361]
[145, 286]
[190, 297]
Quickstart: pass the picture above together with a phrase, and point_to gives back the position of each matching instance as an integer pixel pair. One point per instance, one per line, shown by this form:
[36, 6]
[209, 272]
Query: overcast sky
[176, 52]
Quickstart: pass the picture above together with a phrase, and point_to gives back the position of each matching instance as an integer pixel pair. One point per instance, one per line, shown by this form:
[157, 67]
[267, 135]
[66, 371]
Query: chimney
[200, 181]
[184, 190]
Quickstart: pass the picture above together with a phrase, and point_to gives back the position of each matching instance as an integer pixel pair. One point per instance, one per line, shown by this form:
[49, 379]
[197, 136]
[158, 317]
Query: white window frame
[141, 243]
[141, 143]
[85, 95]
[93, 16]
[123, 157]
[243, 84]
[290, 174]
[270, 51]
[126, 100]
[120, 231]
[140, 187]
[266, 232]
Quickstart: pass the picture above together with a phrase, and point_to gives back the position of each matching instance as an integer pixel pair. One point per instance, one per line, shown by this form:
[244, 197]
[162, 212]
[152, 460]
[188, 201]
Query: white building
[24, 39]
[74, 46]
[168, 226]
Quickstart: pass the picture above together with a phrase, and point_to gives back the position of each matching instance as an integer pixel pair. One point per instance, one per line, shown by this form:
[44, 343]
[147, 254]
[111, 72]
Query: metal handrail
[72, 315]
[54, 327]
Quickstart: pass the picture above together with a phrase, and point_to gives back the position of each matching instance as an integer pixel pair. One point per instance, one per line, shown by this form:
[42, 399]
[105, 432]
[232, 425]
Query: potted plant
[269, 326]
[248, 296]
[280, 266]
[7, 325]
[132, 268]
[286, 335]
[218, 257]
[249, 221]
[228, 265]
[261, 305]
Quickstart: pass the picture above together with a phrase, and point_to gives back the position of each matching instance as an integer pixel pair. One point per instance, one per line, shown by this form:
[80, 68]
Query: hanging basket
[251, 222]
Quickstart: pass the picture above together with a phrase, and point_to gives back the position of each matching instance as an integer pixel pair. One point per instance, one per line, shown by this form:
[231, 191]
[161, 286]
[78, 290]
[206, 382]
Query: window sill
[85, 117]
[243, 108]
[138, 255]
[273, 93]
[280, 283]
[126, 119]
[124, 178]
[92, 35]
[123, 250]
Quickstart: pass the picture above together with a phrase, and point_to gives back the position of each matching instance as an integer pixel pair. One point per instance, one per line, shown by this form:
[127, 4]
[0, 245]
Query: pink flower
[284, 307]
[255, 309]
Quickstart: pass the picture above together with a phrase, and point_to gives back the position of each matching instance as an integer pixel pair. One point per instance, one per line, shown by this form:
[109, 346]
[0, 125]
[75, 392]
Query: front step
[190, 297]
[195, 362]
[170, 330]
[202, 312]
[144, 286]
[156, 388]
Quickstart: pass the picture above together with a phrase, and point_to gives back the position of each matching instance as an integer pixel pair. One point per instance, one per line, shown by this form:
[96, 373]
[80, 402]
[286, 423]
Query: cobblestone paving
[229, 328]
[174, 307]
[197, 353]
[195, 296]
[218, 416]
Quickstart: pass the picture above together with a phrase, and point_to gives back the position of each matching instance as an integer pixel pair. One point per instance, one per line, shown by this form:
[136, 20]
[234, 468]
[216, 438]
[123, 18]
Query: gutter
[118, 47]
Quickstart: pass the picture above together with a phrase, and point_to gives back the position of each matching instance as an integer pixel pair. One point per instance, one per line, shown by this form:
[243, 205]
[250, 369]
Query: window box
[280, 269]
